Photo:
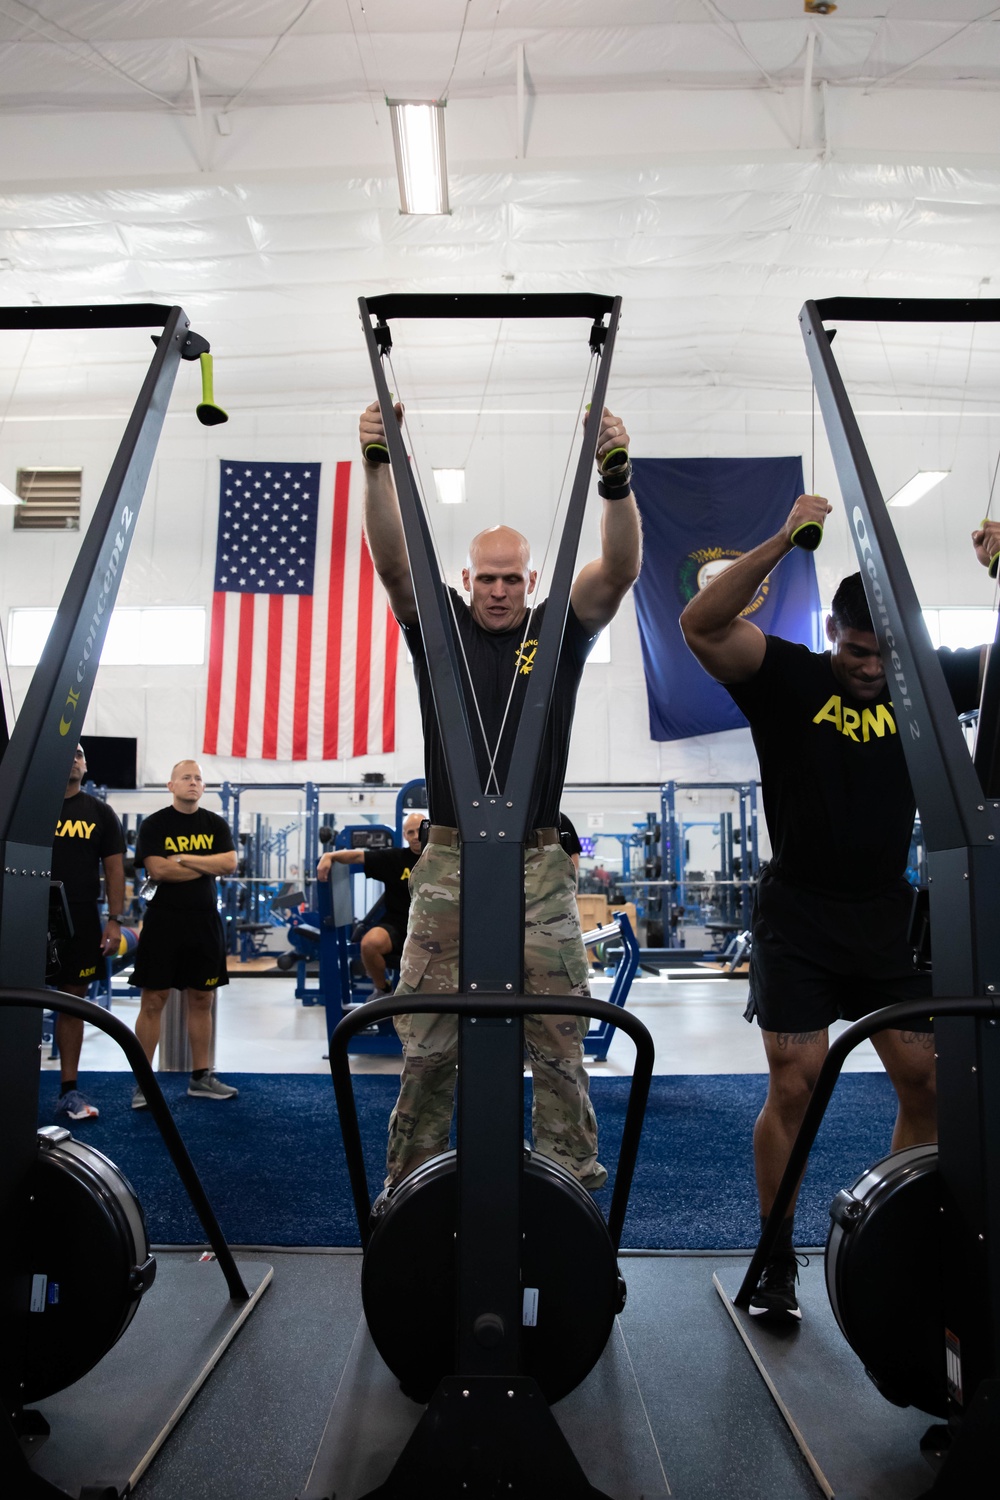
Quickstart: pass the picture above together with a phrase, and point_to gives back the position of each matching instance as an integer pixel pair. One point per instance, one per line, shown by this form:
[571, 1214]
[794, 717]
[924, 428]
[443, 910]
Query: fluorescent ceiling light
[450, 486]
[7, 497]
[418, 140]
[916, 488]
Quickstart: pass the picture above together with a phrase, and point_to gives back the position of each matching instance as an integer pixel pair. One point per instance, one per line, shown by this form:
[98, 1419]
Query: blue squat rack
[323, 937]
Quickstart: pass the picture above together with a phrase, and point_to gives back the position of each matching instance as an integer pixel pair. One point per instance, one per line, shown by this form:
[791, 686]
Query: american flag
[302, 660]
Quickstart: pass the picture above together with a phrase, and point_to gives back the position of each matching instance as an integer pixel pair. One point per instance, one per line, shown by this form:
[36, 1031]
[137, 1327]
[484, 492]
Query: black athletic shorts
[80, 958]
[397, 935]
[180, 951]
[855, 957]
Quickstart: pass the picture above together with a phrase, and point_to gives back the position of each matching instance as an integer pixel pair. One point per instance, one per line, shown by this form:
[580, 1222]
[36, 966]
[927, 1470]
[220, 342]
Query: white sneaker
[211, 1087]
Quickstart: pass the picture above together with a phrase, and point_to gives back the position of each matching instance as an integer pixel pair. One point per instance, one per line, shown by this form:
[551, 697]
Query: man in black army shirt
[831, 912]
[391, 866]
[182, 944]
[88, 835]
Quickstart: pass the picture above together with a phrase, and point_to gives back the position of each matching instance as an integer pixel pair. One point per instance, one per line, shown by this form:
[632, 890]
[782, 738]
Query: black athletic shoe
[775, 1295]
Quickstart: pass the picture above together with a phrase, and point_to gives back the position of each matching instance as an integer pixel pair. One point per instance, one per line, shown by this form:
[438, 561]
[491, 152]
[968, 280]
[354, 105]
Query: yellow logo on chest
[858, 727]
[526, 657]
[185, 845]
[74, 828]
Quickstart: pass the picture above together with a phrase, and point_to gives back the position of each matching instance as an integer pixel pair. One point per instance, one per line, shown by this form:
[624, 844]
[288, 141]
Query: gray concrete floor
[255, 1426]
[697, 1026]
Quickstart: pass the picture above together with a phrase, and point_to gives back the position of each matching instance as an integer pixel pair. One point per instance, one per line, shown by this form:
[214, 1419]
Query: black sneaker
[775, 1295]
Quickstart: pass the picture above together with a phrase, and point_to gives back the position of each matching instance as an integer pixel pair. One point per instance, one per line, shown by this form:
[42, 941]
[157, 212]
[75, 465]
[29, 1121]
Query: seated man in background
[391, 866]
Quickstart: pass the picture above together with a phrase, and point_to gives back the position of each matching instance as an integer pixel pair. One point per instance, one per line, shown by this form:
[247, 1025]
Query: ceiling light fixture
[450, 486]
[421, 165]
[916, 488]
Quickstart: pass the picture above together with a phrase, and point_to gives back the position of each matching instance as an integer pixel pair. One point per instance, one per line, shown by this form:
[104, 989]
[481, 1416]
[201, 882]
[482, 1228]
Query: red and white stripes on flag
[306, 670]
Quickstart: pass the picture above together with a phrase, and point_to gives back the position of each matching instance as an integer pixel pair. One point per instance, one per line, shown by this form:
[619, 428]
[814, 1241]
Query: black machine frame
[961, 825]
[488, 1409]
[37, 755]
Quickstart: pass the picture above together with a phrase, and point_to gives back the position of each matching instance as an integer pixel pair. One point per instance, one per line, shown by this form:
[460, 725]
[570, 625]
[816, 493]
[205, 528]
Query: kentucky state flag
[698, 514]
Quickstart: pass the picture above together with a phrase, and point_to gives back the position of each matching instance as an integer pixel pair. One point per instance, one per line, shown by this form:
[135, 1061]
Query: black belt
[538, 838]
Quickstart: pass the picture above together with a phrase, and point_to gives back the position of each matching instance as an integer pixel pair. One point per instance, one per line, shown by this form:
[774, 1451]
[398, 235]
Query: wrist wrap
[616, 483]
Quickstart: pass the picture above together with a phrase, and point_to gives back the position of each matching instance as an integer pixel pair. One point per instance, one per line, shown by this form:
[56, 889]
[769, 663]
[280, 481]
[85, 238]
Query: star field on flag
[267, 529]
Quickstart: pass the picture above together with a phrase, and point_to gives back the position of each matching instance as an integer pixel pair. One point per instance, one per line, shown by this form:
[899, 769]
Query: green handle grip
[206, 411]
[378, 453]
[613, 461]
[610, 461]
[808, 536]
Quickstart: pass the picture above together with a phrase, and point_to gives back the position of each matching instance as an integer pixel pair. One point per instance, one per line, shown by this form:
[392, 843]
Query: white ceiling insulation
[716, 162]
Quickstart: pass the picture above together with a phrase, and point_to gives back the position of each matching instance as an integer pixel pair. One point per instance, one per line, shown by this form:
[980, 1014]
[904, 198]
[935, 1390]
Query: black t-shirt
[170, 832]
[86, 832]
[834, 783]
[496, 659]
[392, 867]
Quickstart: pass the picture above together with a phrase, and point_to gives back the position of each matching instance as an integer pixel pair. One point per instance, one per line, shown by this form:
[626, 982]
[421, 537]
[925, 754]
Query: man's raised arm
[382, 522]
[728, 647]
[600, 586]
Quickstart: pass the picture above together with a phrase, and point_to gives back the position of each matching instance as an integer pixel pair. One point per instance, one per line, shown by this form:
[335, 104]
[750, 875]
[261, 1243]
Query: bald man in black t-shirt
[182, 946]
[497, 633]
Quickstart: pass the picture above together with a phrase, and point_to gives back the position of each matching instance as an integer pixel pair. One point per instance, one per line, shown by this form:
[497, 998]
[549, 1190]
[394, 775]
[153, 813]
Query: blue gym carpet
[273, 1164]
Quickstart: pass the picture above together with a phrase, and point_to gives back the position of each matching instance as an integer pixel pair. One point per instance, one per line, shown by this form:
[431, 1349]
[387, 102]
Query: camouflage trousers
[555, 963]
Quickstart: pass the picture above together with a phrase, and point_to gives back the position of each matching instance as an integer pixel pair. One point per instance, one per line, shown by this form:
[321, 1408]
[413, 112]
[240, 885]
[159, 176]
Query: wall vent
[51, 499]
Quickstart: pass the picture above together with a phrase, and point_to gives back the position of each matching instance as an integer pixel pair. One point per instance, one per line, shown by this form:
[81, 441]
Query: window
[960, 627]
[28, 632]
[602, 647]
[51, 499]
[154, 637]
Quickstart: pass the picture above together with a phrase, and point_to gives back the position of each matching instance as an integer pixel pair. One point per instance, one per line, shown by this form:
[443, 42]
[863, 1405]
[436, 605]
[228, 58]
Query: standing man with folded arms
[182, 945]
